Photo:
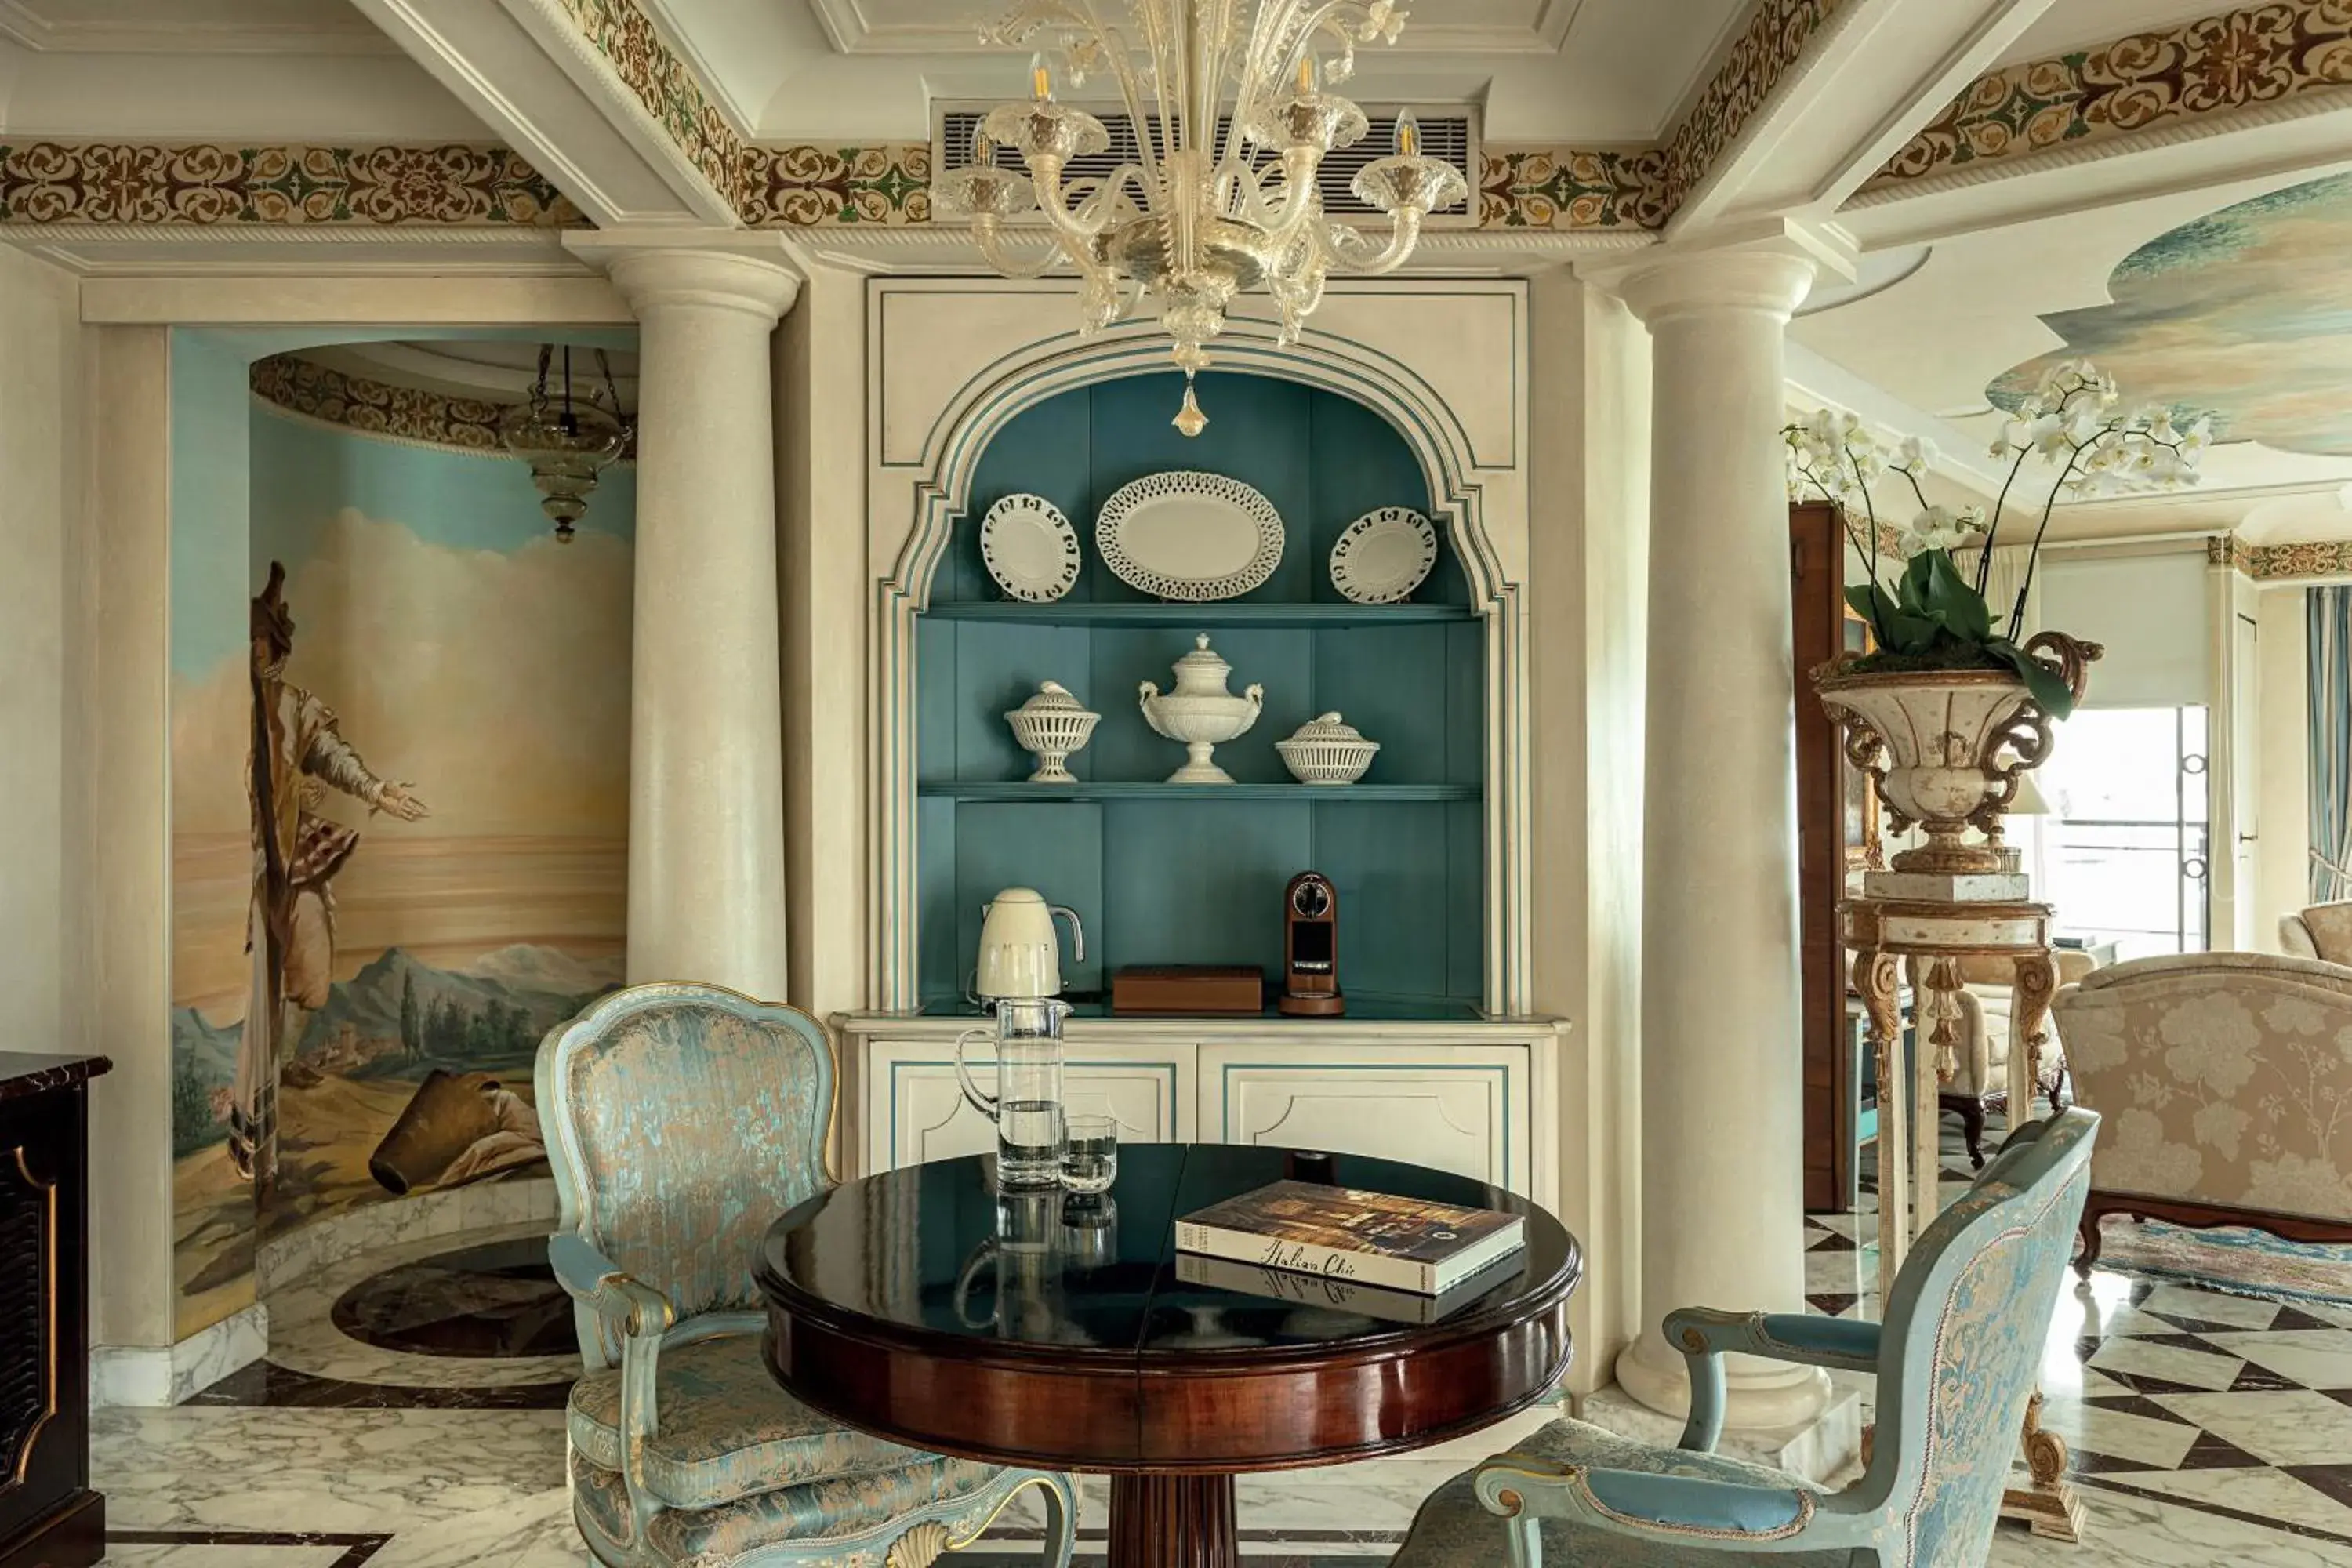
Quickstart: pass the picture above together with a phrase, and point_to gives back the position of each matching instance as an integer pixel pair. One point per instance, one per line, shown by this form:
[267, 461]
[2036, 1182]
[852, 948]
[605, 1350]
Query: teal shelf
[1360, 793]
[1212, 615]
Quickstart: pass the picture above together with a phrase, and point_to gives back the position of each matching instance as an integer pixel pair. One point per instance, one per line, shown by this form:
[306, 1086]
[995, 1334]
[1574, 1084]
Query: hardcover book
[1339, 1295]
[1358, 1237]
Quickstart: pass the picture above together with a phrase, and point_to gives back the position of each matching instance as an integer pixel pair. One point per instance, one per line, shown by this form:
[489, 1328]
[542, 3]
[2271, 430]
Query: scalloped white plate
[1030, 549]
[1189, 536]
[1382, 556]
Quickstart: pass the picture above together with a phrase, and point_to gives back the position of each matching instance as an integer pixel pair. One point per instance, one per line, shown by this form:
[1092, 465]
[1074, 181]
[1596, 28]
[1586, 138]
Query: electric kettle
[1020, 954]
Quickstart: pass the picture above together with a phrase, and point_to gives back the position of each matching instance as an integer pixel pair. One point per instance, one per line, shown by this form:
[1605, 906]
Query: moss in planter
[1949, 656]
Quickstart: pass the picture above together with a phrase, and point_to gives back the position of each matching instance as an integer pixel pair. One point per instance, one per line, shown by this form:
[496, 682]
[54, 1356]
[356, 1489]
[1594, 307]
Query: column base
[1825, 1448]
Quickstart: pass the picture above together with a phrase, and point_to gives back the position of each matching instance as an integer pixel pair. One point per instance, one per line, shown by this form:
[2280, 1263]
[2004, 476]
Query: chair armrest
[1705, 1336]
[642, 1315]
[637, 1310]
[1647, 1507]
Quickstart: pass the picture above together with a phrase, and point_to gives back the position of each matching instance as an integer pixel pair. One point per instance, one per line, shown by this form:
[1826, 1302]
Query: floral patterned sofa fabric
[2321, 931]
[2226, 1080]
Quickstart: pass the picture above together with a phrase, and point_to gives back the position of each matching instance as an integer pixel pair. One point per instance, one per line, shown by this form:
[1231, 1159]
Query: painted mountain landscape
[363, 1061]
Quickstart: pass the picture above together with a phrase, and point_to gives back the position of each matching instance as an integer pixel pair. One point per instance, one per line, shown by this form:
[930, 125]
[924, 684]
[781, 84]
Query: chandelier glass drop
[568, 435]
[1198, 216]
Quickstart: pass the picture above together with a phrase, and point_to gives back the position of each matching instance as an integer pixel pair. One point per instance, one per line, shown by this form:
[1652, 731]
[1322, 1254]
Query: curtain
[2328, 622]
[2008, 574]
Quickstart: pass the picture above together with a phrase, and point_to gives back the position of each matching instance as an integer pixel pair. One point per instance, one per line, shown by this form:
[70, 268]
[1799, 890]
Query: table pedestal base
[1172, 1521]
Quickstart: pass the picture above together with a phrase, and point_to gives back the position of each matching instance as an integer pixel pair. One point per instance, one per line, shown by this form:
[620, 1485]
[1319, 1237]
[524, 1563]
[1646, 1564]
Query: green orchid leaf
[2056, 697]
[1953, 602]
[1911, 634]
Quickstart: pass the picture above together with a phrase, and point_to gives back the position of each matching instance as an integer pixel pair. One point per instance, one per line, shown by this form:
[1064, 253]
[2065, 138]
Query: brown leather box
[1187, 988]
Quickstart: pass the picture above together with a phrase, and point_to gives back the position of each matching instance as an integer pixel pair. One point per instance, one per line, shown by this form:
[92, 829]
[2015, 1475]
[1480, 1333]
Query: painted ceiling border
[2218, 66]
[211, 185]
[319, 395]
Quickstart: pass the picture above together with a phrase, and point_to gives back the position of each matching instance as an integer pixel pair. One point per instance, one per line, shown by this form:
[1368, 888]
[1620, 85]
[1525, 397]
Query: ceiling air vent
[1448, 133]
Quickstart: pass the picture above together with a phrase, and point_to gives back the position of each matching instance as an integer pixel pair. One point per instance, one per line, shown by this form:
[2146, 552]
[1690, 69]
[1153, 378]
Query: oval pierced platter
[1382, 556]
[1030, 548]
[1189, 536]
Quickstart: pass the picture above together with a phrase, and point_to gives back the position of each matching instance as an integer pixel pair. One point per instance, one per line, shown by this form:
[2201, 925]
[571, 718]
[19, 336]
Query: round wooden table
[1065, 1333]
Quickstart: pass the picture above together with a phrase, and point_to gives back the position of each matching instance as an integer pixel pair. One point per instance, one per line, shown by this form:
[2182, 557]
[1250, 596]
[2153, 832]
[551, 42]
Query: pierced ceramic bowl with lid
[1050, 726]
[1327, 750]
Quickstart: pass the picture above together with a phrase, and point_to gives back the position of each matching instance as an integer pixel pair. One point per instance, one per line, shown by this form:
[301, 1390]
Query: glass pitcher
[1030, 1130]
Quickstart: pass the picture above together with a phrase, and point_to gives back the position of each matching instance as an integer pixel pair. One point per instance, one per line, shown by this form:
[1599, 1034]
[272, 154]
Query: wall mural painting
[2243, 312]
[405, 860]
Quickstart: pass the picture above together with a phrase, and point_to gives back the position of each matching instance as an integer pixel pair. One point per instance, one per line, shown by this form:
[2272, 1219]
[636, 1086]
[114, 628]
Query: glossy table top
[933, 1255]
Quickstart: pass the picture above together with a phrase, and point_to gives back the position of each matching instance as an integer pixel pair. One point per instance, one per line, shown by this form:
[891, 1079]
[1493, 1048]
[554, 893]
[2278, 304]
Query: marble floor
[2206, 1429]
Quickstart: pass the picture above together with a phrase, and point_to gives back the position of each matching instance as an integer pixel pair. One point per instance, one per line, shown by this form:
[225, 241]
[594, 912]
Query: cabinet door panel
[916, 1113]
[1464, 1109]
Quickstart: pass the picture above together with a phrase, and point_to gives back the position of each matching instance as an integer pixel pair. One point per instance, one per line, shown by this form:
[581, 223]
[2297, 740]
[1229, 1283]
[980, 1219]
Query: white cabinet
[1479, 1098]
[1464, 1108]
[914, 1112]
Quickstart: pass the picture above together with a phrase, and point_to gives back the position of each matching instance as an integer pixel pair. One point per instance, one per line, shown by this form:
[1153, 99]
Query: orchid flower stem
[1984, 557]
[2033, 553]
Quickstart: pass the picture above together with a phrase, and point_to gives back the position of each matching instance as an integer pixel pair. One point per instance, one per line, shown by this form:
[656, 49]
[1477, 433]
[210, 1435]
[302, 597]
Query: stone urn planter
[1945, 747]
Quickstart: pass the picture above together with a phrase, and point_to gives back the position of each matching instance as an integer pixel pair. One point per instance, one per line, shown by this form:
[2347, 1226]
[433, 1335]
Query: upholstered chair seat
[683, 1120]
[1955, 1361]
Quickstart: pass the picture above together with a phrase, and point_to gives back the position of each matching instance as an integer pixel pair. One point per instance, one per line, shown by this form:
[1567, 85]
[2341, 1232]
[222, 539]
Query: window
[2123, 854]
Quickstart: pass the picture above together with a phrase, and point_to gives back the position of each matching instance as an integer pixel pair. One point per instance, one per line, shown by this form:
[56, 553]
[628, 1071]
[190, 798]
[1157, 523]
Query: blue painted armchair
[1955, 1361]
[681, 1120]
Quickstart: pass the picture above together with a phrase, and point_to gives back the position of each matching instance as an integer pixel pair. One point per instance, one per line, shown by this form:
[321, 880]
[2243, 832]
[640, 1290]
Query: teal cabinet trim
[976, 1062]
[1204, 618]
[1315, 794]
[1501, 1075]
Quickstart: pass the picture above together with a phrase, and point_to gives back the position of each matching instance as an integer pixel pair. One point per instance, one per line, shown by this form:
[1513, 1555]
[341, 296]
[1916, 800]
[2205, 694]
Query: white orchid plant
[1934, 617]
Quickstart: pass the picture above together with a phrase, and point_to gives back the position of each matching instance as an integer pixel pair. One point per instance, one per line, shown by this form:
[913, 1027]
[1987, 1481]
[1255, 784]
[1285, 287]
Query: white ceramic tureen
[1327, 750]
[1201, 712]
[1050, 726]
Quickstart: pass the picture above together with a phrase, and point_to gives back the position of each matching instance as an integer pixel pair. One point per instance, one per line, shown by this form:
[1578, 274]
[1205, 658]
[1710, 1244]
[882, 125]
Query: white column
[1722, 1201]
[706, 720]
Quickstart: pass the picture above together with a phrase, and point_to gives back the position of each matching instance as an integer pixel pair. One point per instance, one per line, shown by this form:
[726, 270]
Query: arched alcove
[1194, 874]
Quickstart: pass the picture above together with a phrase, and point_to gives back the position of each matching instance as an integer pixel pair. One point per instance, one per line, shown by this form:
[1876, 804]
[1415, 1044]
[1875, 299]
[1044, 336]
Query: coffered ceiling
[1590, 72]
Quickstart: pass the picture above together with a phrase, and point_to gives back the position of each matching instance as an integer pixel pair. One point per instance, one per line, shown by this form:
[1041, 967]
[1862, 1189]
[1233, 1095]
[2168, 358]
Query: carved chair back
[681, 1120]
[1963, 1337]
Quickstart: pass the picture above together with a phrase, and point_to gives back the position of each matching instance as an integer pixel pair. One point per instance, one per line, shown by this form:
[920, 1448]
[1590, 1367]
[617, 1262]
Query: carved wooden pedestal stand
[1934, 934]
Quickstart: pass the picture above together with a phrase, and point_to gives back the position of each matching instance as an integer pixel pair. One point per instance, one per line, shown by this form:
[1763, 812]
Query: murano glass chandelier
[568, 435]
[1217, 201]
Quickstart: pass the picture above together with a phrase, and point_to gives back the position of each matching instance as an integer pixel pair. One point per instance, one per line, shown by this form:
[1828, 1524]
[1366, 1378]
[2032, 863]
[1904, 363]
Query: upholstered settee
[2226, 1082]
[2323, 932]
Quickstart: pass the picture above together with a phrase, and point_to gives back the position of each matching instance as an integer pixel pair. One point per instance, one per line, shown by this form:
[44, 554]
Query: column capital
[1768, 268]
[726, 270]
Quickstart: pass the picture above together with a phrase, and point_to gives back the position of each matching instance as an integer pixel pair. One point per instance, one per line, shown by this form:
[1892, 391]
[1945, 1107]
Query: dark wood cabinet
[1828, 836]
[49, 1516]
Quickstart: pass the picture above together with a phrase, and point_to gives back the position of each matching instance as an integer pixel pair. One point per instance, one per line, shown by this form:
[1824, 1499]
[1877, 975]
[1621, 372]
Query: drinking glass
[1090, 1158]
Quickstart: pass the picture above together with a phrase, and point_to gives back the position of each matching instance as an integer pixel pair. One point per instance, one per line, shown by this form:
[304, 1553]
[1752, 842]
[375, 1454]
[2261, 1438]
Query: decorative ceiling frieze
[2316, 558]
[313, 392]
[2264, 54]
[621, 32]
[814, 187]
[1773, 40]
[1560, 188]
[209, 184]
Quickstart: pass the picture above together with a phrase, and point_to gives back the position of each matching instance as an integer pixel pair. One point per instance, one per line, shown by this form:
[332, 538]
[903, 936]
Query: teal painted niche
[1193, 877]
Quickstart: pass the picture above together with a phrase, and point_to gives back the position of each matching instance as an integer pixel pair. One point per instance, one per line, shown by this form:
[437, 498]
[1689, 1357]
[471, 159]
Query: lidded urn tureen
[1201, 712]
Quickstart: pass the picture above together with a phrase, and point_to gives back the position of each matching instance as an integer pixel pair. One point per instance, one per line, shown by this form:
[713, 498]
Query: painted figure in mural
[298, 753]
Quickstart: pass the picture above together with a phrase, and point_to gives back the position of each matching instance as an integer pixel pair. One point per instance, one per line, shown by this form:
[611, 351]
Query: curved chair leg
[1061, 1494]
[2088, 1258]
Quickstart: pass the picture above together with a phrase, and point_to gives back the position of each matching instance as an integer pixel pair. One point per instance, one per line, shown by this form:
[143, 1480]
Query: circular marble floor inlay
[492, 1299]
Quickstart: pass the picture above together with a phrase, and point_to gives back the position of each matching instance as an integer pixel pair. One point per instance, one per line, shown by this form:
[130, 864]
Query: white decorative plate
[1382, 556]
[1183, 535]
[1030, 548]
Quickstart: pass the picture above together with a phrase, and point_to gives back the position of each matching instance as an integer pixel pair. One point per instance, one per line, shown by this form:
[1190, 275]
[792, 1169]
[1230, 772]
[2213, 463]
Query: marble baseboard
[145, 1376]
[1826, 1450]
[286, 1260]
